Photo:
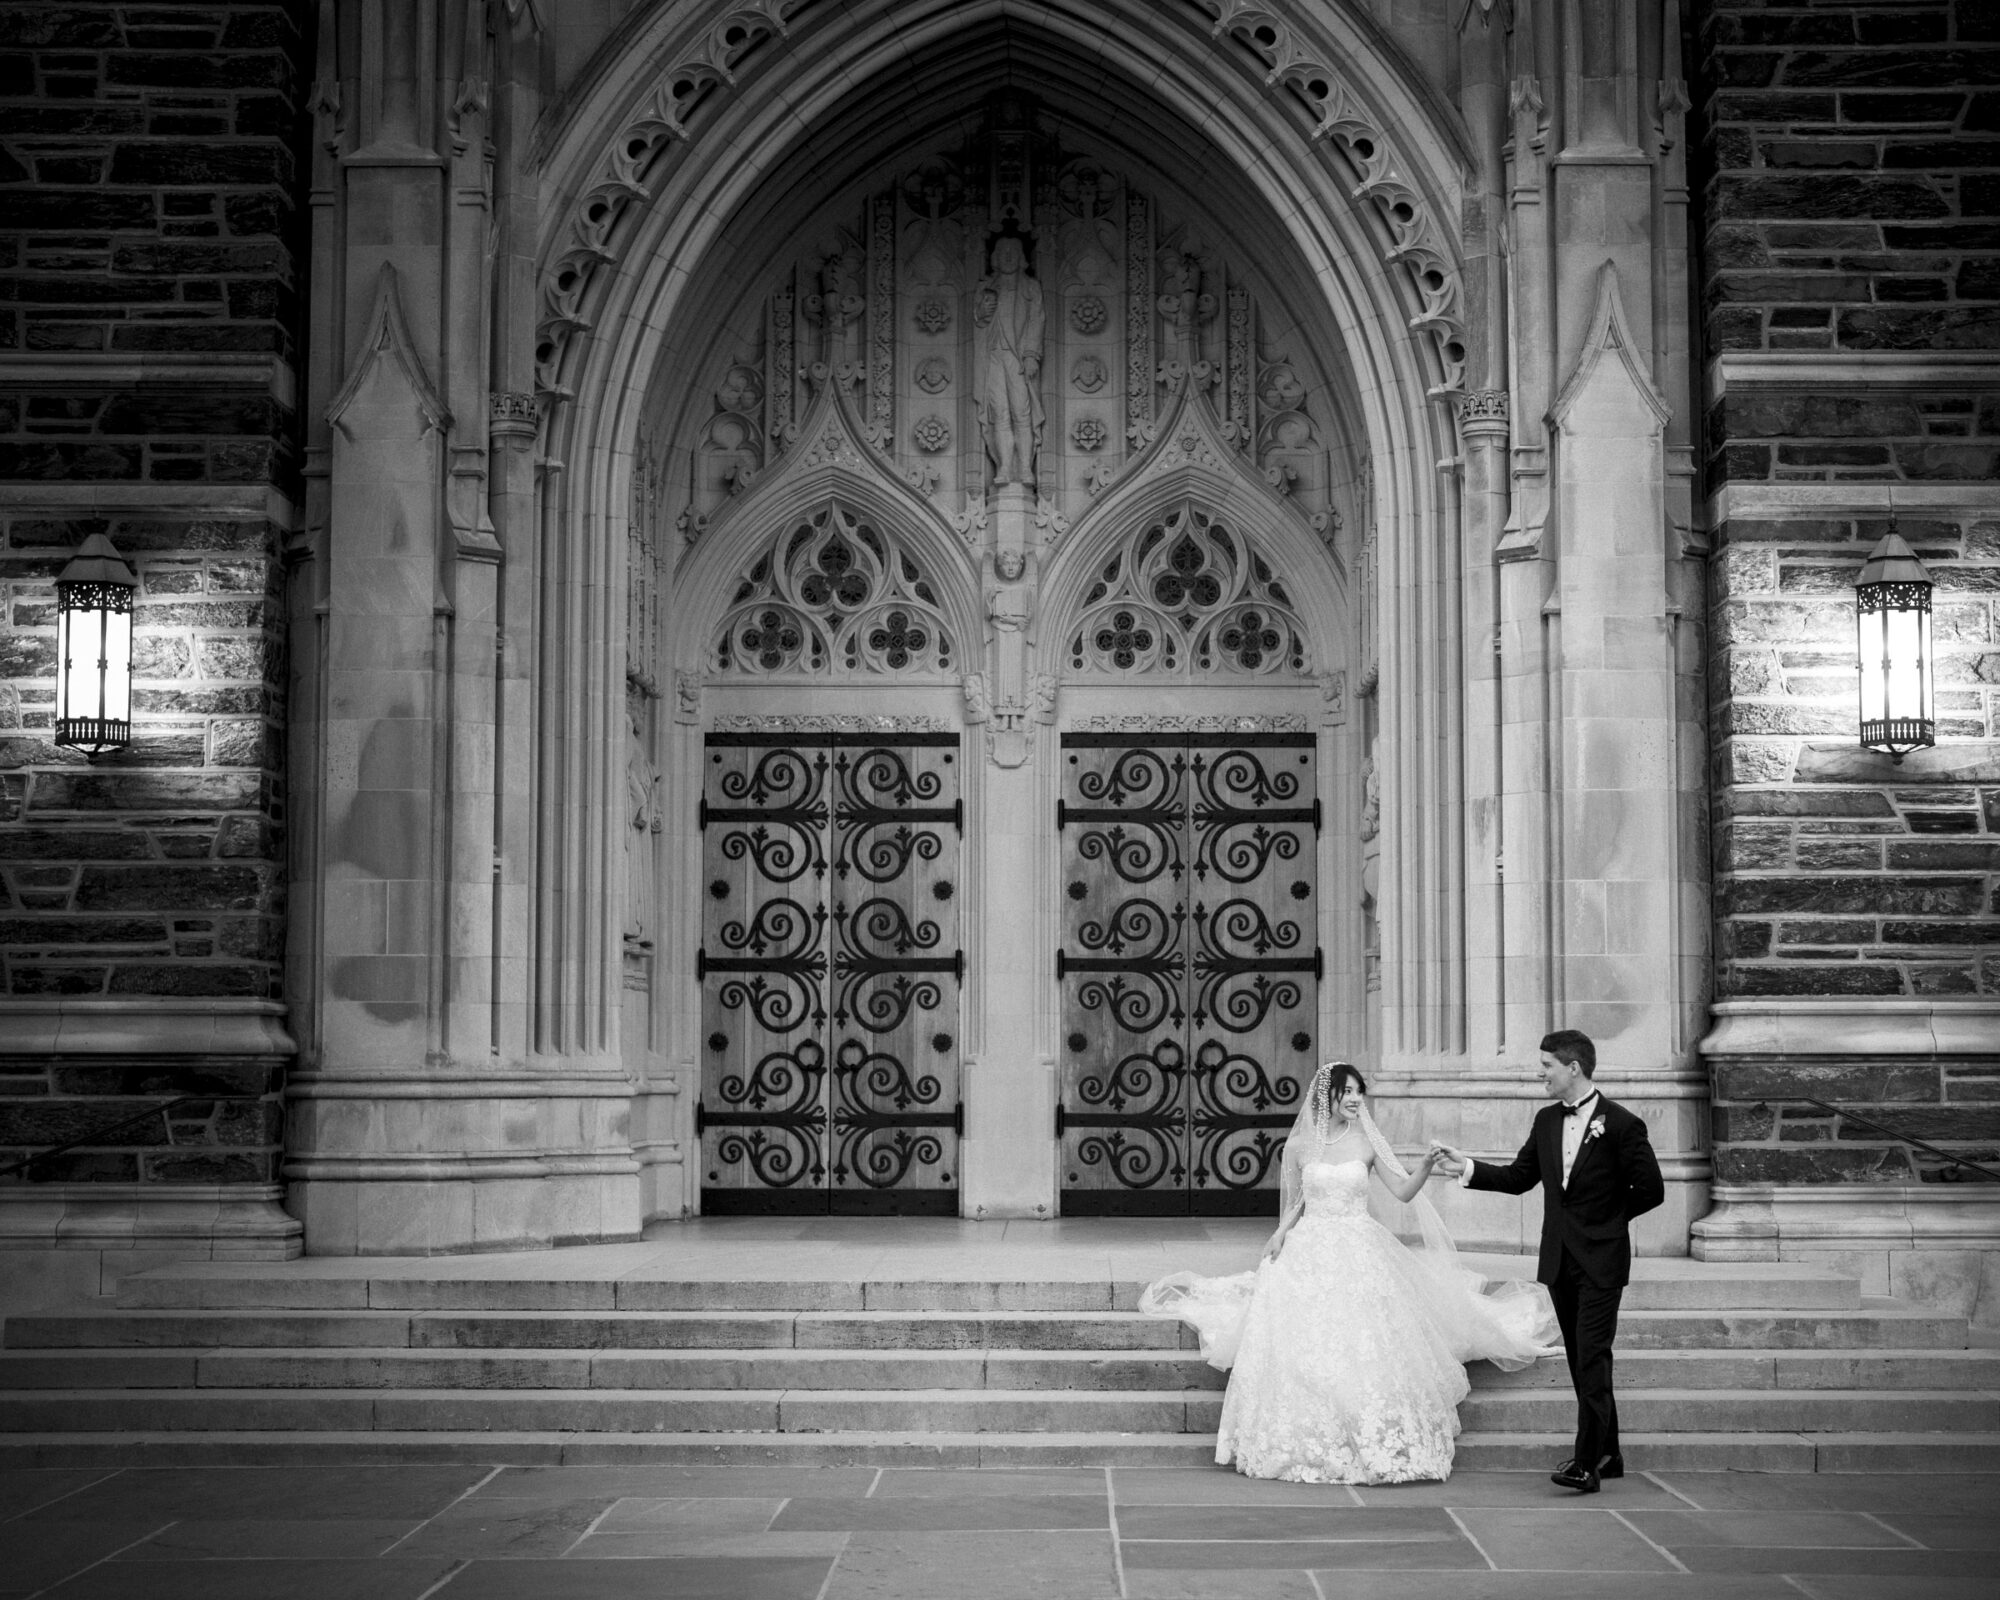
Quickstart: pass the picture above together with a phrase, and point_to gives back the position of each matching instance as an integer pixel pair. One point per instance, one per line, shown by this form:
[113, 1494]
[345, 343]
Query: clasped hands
[1448, 1160]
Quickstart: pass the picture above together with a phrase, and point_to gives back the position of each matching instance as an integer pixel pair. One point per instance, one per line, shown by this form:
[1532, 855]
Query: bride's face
[1348, 1102]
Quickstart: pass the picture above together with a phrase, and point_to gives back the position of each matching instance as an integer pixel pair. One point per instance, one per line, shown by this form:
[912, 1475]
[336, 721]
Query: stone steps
[1477, 1452]
[1781, 1288]
[628, 1410]
[1790, 1370]
[1754, 1329]
[393, 1367]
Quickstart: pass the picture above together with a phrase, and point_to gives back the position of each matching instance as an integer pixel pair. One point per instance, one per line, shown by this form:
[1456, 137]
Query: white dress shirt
[1574, 1128]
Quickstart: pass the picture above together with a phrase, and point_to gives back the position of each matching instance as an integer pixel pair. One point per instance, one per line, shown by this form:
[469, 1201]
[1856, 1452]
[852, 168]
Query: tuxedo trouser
[1588, 1316]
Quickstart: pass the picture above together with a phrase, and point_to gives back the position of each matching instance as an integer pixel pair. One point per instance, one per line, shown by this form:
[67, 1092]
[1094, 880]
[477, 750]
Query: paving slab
[670, 1482]
[669, 1578]
[387, 1578]
[711, 1515]
[1346, 1522]
[232, 1494]
[24, 1488]
[1904, 1563]
[1572, 1539]
[897, 1482]
[973, 1566]
[1218, 1486]
[1951, 1493]
[36, 1554]
[1146, 1583]
[1528, 1489]
[1945, 1532]
[1332, 1555]
[326, 1538]
[1560, 1586]
[1830, 1530]
[686, 1544]
[1831, 1586]
[941, 1513]
[516, 1526]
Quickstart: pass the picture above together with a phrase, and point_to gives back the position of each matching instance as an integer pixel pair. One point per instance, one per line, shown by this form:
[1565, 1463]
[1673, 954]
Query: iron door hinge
[700, 964]
[1062, 816]
[701, 815]
[958, 816]
[1061, 1121]
[958, 1120]
[1319, 964]
[1062, 965]
[700, 1119]
[1318, 818]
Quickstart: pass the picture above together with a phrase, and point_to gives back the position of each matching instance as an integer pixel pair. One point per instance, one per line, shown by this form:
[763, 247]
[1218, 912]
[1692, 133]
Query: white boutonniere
[1596, 1127]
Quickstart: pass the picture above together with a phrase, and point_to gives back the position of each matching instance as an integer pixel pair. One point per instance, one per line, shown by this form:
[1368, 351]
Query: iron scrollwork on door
[830, 974]
[1188, 967]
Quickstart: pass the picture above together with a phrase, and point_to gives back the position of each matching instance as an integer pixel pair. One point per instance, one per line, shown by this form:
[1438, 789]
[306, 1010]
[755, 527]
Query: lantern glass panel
[94, 664]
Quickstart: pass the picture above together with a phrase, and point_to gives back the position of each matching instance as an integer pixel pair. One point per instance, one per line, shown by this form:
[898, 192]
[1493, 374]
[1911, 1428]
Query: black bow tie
[1570, 1111]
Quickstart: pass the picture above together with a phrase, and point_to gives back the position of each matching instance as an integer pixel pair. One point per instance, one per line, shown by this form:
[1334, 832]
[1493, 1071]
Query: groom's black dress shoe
[1611, 1467]
[1570, 1476]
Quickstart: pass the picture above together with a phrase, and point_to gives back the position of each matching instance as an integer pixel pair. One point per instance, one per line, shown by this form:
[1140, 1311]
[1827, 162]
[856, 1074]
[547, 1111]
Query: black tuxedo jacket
[1616, 1178]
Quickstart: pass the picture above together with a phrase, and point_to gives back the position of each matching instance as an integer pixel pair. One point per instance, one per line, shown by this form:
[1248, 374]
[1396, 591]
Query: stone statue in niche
[642, 818]
[1011, 322]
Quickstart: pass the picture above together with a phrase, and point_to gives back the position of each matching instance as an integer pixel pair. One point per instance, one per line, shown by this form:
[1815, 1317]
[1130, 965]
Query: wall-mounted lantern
[94, 649]
[1892, 621]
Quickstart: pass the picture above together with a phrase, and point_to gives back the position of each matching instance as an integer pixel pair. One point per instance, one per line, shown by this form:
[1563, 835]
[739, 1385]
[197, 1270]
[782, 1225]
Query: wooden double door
[1189, 968]
[830, 969]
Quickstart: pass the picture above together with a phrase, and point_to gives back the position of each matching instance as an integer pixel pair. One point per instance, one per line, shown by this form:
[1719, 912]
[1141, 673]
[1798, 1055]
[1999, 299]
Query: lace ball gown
[1348, 1350]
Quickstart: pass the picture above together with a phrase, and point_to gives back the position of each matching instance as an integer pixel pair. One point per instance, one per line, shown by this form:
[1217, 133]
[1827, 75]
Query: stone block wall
[1848, 185]
[1849, 161]
[150, 279]
[1766, 1133]
[1838, 872]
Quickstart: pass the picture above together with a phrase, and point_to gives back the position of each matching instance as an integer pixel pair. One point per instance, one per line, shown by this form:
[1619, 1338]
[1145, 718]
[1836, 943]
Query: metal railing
[1903, 1138]
[36, 1166]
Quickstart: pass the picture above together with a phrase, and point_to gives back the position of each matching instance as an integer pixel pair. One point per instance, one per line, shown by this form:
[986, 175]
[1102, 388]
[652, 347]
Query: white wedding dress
[1347, 1353]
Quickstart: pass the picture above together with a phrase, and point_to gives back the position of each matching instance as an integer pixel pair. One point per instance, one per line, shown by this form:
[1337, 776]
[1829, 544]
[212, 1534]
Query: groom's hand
[1450, 1162]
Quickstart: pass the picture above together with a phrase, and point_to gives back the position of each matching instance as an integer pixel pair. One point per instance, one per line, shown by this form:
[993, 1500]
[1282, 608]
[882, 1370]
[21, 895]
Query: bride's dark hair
[1328, 1086]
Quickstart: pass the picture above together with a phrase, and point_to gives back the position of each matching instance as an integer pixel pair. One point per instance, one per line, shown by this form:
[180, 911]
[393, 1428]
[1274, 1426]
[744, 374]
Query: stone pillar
[423, 1119]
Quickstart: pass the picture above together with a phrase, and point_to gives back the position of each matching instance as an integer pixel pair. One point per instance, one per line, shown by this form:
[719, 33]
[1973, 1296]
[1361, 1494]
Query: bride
[1348, 1349]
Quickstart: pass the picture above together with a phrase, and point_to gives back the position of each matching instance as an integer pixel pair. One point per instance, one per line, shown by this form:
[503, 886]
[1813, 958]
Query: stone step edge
[1830, 1292]
[1491, 1397]
[1525, 1452]
[870, 1353]
[765, 1315]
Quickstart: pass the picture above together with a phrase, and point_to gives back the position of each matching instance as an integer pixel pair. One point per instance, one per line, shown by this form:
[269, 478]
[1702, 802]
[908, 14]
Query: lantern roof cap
[1892, 561]
[97, 561]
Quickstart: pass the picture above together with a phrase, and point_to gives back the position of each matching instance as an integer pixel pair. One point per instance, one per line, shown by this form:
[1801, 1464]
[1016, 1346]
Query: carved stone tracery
[833, 596]
[1192, 596]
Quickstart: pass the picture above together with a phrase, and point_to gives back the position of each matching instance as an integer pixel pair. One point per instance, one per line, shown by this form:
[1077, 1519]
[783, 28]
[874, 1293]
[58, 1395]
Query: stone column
[422, 1120]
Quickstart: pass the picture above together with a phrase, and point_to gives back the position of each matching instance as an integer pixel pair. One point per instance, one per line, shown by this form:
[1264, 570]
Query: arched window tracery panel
[830, 596]
[1191, 595]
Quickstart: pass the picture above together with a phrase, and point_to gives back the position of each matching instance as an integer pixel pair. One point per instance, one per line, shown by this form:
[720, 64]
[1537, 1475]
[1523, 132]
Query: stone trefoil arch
[832, 595]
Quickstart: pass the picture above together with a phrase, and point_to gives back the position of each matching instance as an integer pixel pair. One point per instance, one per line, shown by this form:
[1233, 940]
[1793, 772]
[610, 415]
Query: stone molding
[1968, 761]
[1822, 370]
[1810, 1026]
[1774, 502]
[809, 723]
[195, 369]
[192, 1221]
[114, 495]
[144, 1027]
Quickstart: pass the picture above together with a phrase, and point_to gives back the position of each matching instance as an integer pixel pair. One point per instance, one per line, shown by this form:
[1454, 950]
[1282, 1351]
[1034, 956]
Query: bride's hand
[1276, 1244]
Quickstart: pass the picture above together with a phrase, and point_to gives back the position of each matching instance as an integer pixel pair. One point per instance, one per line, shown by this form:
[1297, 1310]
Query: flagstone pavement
[481, 1532]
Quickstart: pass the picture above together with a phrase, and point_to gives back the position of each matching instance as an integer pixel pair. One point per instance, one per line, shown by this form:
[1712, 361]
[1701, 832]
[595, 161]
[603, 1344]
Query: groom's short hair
[1566, 1044]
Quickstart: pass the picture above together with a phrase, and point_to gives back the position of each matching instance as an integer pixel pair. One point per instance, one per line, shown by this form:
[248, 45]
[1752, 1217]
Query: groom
[1598, 1172]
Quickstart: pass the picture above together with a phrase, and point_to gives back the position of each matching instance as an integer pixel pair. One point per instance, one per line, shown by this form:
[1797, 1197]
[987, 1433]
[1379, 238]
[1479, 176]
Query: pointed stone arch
[829, 471]
[1191, 469]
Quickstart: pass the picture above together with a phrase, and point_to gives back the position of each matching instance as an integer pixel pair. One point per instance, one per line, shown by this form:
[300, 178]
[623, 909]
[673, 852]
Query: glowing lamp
[94, 649]
[1892, 621]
